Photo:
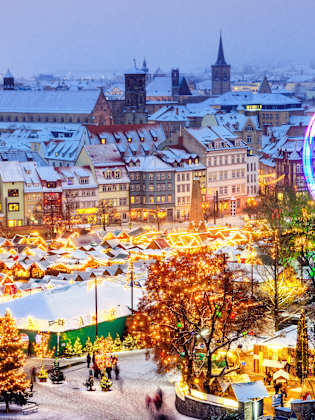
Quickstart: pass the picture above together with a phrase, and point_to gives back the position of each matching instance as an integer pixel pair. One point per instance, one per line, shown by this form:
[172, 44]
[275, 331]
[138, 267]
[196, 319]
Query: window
[103, 141]
[187, 177]
[158, 199]
[158, 177]
[107, 174]
[249, 139]
[151, 199]
[163, 198]
[13, 193]
[13, 207]
[138, 200]
[132, 200]
[232, 159]
[188, 187]
[151, 187]
[162, 177]
[51, 184]
[178, 188]
[178, 177]
[151, 177]
[117, 173]
[183, 177]
[226, 160]
[169, 187]
[131, 176]
[169, 198]
[84, 180]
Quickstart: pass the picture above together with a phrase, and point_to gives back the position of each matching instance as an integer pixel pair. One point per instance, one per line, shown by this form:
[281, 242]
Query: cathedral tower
[135, 97]
[221, 73]
[8, 81]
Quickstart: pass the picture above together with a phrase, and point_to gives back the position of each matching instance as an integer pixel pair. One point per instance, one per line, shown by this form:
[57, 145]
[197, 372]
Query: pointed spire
[220, 60]
[265, 87]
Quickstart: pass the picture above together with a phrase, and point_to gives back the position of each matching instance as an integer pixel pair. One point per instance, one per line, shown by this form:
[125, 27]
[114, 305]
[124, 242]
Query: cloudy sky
[103, 35]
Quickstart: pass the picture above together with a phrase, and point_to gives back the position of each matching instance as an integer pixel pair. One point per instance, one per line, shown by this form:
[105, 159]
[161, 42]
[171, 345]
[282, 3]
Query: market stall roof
[71, 301]
[281, 374]
[249, 391]
[273, 364]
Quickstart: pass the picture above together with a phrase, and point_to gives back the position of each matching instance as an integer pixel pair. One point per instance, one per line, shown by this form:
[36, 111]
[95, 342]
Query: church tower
[8, 81]
[135, 97]
[221, 73]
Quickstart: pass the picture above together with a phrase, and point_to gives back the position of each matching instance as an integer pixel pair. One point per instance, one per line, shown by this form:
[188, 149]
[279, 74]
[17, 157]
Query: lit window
[129, 139]
[103, 141]
[132, 200]
[13, 193]
[13, 207]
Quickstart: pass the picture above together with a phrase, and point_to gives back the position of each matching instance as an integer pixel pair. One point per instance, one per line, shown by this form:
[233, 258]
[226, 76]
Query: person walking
[33, 374]
[88, 360]
[158, 399]
[117, 371]
[96, 370]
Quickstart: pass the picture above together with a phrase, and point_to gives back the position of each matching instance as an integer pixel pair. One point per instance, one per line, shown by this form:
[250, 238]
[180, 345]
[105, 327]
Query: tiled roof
[61, 102]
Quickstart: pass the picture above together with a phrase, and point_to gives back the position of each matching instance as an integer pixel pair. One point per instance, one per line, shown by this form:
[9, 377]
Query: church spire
[220, 60]
[264, 86]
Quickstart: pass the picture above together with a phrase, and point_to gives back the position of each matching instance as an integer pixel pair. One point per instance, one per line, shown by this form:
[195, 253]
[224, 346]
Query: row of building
[125, 172]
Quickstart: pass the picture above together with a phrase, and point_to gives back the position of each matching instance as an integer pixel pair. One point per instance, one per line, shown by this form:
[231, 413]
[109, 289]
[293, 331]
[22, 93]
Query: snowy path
[71, 400]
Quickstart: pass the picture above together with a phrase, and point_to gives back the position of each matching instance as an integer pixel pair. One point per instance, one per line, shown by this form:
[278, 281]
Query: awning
[273, 364]
[281, 374]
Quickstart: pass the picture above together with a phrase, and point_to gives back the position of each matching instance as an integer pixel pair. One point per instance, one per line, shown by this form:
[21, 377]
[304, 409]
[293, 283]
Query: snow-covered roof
[48, 173]
[150, 164]
[216, 137]
[284, 338]
[104, 155]
[56, 102]
[11, 172]
[249, 391]
[236, 121]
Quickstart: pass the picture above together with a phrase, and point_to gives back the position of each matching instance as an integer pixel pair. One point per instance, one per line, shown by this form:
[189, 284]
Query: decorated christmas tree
[106, 384]
[117, 343]
[88, 348]
[56, 375]
[69, 349]
[109, 343]
[302, 351]
[77, 347]
[129, 343]
[13, 383]
[41, 347]
[96, 343]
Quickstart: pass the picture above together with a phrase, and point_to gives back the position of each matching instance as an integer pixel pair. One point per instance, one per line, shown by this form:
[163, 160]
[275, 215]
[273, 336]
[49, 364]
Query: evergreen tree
[41, 348]
[96, 343]
[88, 348]
[77, 347]
[106, 383]
[129, 343]
[13, 383]
[69, 349]
[56, 375]
[302, 348]
[117, 343]
[109, 343]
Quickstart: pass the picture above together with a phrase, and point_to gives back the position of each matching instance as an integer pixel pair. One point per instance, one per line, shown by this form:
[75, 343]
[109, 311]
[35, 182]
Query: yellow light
[91, 210]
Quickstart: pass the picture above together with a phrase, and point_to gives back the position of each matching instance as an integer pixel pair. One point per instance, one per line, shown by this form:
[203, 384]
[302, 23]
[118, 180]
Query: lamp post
[131, 270]
[96, 309]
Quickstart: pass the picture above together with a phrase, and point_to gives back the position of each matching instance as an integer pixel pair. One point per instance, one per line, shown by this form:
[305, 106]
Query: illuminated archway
[308, 156]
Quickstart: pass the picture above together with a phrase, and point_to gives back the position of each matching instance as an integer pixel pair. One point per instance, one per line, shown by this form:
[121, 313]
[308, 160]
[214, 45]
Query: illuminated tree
[13, 383]
[69, 349]
[302, 351]
[192, 311]
[105, 383]
[129, 343]
[109, 342]
[88, 346]
[41, 348]
[282, 296]
[117, 343]
[77, 347]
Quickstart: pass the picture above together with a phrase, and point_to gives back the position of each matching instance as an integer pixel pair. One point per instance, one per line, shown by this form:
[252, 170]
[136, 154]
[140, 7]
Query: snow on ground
[71, 401]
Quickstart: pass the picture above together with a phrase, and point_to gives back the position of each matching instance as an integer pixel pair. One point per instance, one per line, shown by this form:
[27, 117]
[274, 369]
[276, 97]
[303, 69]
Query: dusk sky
[103, 35]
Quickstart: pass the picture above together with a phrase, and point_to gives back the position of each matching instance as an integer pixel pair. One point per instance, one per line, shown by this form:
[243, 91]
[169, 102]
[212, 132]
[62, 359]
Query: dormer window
[129, 139]
[70, 181]
[107, 174]
[84, 180]
[190, 162]
[56, 154]
[142, 139]
[155, 138]
[103, 141]
[196, 161]
[117, 173]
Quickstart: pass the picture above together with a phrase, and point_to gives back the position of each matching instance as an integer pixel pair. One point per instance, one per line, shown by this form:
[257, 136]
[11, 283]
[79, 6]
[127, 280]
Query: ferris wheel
[309, 145]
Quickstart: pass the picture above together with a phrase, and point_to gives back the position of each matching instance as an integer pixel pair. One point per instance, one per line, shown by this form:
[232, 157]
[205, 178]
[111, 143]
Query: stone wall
[200, 409]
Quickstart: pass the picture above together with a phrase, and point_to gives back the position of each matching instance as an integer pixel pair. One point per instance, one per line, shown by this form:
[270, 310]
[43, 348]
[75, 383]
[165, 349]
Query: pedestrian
[109, 372]
[93, 357]
[33, 374]
[285, 390]
[96, 370]
[277, 388]
[268, 379]
[88, 360]
[147, 355]
[29, 349]
[158, 399]
[116, 370]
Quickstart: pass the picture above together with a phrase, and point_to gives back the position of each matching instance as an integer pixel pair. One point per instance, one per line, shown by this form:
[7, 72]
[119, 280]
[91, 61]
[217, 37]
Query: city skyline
[106, 37]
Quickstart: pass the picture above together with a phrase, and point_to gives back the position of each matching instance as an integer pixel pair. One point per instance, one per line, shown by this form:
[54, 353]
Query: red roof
[99, 129]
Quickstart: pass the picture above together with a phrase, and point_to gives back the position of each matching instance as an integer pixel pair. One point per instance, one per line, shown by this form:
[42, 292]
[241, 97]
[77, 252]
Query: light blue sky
[73, 35]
